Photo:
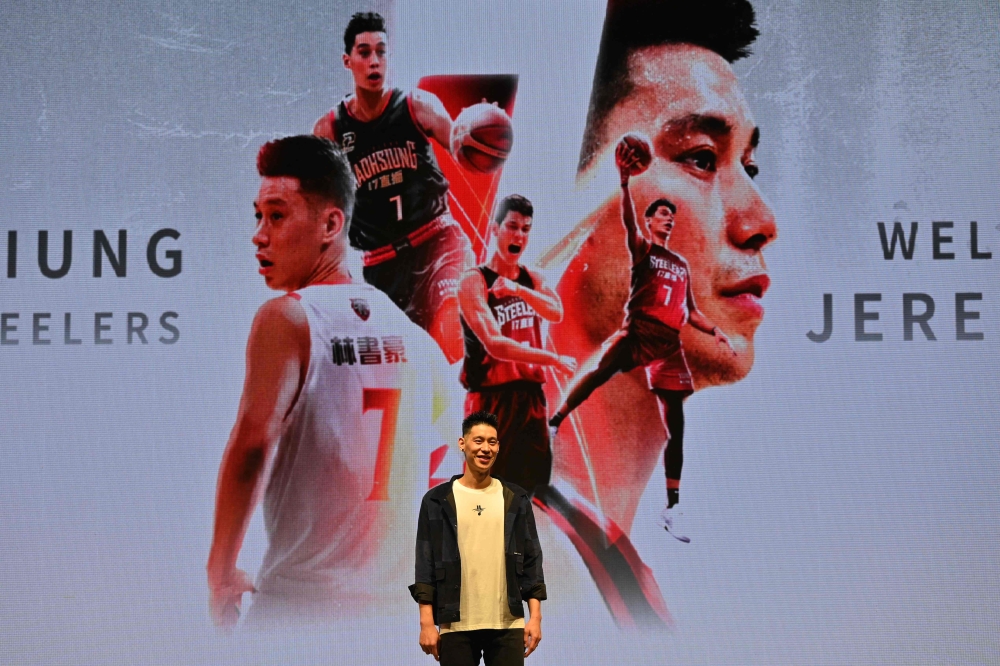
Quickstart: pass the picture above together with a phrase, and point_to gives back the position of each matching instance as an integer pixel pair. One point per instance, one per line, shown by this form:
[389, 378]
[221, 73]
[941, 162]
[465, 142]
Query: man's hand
[567, 364]
[532, 634]
[429, 639]
[722, 339]
[226, 597]
[504, 287]
[625, 159]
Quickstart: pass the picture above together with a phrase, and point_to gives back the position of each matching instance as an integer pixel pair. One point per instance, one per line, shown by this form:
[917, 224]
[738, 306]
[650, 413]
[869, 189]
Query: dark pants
[497, 647]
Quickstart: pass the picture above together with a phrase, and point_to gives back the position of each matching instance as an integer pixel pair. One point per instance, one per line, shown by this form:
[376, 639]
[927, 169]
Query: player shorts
[657, 347]
[525, 455]
[420, 280]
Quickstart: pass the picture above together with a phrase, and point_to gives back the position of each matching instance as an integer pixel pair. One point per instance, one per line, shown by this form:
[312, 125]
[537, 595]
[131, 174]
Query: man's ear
[346, 58]
[461, 443]
[333, 222]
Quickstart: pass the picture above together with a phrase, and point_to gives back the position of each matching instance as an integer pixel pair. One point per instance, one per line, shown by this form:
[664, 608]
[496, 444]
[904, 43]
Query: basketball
[639, 145]
[481, 137]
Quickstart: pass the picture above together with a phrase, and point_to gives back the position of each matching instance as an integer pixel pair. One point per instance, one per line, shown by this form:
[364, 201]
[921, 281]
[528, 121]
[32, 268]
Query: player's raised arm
[431, 117]
[698, 319]
[475, 309]
[277, 354]
[625, 160]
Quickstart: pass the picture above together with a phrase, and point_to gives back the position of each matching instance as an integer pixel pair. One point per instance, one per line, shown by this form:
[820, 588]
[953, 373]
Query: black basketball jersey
[518, 321]
[400, 186]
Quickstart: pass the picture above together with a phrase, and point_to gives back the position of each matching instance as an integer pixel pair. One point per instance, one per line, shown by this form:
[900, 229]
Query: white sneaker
[673, 521]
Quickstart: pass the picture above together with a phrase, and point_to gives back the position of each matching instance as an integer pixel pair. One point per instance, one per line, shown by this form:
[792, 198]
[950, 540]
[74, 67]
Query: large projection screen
[839, 485]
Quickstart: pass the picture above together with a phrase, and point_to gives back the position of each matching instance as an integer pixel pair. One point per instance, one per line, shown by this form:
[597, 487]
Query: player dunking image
[413, 250]
[660, 303]
[502, 305]
[332, 367]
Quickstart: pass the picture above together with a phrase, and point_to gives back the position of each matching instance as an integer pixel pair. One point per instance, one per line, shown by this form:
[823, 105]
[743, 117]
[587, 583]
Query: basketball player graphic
[659, 305]
[414, 251]
[502, 305]
[664, 68]
[340, 388]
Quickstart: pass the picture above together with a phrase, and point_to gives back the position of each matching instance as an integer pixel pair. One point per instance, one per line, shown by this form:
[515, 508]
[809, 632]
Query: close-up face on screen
[570, 332]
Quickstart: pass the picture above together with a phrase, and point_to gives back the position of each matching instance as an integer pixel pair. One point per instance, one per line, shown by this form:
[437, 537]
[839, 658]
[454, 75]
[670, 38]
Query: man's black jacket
[439, 566]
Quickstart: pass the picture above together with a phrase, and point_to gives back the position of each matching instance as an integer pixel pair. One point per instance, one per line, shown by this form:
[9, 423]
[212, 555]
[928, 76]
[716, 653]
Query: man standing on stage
[659, 305]
[477, 558]
[502, 305]
[413, 250]
[331, 367]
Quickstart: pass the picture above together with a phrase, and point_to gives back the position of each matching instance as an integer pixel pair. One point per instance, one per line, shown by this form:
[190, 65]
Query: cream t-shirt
[484, 572]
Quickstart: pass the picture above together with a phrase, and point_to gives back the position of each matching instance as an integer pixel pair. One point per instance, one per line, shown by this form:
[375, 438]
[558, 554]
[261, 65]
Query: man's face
[688, 101]
[661, 224]
[368, 61]
[480, 447]
[290, 236]
[512, 236]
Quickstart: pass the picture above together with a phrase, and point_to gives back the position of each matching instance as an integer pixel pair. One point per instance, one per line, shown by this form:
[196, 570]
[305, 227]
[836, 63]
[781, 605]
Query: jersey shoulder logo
[360, 307]
[347, 142]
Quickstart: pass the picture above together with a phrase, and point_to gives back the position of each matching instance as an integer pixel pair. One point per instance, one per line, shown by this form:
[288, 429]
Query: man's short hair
[723, 26]
[317, 163]
[359, 23]
[516, 203]
[651, 208]
[479, 418]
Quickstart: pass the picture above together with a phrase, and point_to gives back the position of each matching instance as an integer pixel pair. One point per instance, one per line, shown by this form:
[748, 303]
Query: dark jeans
[498, 647]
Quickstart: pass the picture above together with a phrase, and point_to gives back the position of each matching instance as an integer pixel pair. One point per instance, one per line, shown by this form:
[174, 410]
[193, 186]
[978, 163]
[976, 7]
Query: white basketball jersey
[357, 452]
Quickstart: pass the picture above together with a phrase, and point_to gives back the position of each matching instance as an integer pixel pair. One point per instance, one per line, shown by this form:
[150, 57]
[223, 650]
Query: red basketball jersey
[659, 287]
[518, 321]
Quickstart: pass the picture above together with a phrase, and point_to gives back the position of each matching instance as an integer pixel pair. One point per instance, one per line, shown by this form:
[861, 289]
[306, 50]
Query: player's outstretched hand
[723, 339]
[625, 159]
[567, 364]
[504, 287]
[226, 598]
[429, 639]
[532, 635]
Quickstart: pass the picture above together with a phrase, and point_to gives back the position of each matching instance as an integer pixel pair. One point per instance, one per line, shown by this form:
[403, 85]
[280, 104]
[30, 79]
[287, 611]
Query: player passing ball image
[660, 303]
[413, 250]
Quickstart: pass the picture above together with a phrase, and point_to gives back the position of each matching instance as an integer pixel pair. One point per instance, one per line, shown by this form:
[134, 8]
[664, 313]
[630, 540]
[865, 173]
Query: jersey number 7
[666, 290]
[386, 401]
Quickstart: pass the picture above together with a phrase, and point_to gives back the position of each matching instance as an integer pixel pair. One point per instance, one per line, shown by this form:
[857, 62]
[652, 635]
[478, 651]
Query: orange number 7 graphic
[387, 401]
